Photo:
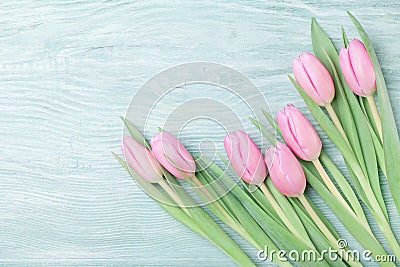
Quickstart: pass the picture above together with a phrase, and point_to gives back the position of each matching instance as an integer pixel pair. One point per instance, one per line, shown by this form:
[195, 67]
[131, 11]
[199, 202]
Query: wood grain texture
[69, 68]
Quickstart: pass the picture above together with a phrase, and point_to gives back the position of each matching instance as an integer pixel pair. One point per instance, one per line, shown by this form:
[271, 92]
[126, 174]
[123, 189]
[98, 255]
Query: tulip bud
[314, 78]
[172, 155]
[357, 68]
[285, 170]
[141, 160]
[299, 134]
[245, 157]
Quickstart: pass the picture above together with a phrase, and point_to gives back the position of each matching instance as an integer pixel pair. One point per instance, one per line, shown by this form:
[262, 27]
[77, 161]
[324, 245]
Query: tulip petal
[362, 66]
[172, 155]
[140, 160]
[288, 133]
[245, 157]
[348, 72]
[285, 170]
[304, 132]
[303, 79]
[319, 76]
[235, 155]
[299, 133]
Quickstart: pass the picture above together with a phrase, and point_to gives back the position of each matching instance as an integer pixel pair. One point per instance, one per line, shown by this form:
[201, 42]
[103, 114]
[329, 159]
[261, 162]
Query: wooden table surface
[68, 69]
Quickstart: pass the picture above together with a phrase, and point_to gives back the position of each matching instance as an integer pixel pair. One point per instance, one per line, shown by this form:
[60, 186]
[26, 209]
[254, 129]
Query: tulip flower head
[314, 78]
[285, 170]
[172, 155]
[357, 68]
[299, 134]
[141, 160]
[245, 157]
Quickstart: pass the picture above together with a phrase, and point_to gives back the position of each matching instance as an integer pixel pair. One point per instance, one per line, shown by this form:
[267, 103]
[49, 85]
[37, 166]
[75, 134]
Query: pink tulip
[285, 170]
[141, 160]
[314, 78]
[299, 134]
[172, 155]
[357, 68]
[245, 157]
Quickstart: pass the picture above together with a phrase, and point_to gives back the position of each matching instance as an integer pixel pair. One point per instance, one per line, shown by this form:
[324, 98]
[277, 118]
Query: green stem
[275, 205]
[336, 122]
[330, 237]
[386, 229]
[173, 195]
[375, 114]
[379, 216]
[236, 226]
[331, 187]
[335, 192]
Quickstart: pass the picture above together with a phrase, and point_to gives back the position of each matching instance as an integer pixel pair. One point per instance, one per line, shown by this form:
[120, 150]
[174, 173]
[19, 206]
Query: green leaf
[271, 120]
[326, 52]
[212, 204]
[257, 195]
[344, 38]
[368, 114]
[363, 236]
[206, 226]
[374, 133]
[212, 190]
[219, 237]
[284, 203]
[280, 235]
[318, 238]
[135, 133]
[348, 120]
[225, 211]
[212, 229]
[244, 218]
[336, 174]
[260, 199]
[367, 158]
[331, 131]
[147, 187]
[391, 142]
[342, 213]
[266, 133]
[344, 186]
[318, 212]
[160, 197]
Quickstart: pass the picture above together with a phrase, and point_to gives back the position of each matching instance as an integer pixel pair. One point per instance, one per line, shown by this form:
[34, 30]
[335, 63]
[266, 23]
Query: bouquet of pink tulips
[268, 208]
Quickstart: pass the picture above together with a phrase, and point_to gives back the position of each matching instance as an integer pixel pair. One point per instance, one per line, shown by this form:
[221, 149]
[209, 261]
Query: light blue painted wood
[69, 68]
